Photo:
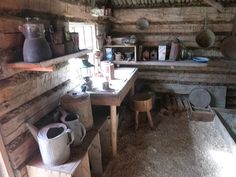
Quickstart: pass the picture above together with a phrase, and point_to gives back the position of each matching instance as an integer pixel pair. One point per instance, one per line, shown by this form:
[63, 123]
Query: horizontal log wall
[28, 96]
[168, 23]
[184, 23]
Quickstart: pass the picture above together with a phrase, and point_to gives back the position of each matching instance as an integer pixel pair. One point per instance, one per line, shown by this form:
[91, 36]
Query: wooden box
[201, 114]
[73, 168]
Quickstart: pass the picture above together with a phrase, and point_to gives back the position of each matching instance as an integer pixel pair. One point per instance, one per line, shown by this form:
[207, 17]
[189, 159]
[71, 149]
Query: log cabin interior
[117, 88]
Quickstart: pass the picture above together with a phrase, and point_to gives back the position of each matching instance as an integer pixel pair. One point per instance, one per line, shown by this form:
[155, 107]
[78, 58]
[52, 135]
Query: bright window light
[87, 34]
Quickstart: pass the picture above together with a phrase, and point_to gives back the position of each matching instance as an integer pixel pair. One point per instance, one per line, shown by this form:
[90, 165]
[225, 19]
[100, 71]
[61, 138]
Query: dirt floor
[176, 147]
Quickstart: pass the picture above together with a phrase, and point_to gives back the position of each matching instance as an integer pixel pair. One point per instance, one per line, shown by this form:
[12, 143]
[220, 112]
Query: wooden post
[4, 161]
[105, 138]
[113, 130]
[95, 157]
[84, 169]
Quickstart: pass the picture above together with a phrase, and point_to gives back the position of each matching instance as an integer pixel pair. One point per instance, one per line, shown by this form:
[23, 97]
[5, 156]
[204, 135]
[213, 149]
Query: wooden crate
[201, 114]
[73, 168]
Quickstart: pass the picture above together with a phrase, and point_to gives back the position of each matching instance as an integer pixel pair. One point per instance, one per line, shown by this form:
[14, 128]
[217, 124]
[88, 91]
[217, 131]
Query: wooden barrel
[79, 103]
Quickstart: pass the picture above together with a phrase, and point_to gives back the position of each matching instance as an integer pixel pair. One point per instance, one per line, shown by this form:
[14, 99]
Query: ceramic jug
[119, 56]
[35, 47]
[54, 142]
[72, 121]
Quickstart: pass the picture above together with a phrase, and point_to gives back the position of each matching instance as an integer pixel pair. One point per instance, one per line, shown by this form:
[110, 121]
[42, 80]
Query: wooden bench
[85, 161]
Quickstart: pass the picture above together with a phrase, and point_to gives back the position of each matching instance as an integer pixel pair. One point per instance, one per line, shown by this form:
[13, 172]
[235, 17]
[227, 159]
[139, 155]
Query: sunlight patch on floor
[226, 161]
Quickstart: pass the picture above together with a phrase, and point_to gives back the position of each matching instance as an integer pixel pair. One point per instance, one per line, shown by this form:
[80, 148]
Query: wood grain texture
[187, 40]
[56, 7]
[47, 63]
[21, 172]
[105, 139]
[11, 40]
[78, 168]
[29, 87]
[80, 106]
[84, 168]
[21, 149]
[13, 123]
[9, 24]
[174, 14]
[188, 77]
[5, 165]
[183, 23]
[114, 124]
[215, 4]
[172, 28]
[221, 66]
[95, 157]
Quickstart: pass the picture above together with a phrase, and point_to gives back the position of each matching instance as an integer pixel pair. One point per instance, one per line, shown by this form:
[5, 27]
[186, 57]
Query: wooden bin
[73, 168]
[79, 103]
[202, 114]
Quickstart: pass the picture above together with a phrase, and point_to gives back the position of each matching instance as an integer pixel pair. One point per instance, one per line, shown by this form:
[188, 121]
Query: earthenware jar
[119, 56]
[35, 47]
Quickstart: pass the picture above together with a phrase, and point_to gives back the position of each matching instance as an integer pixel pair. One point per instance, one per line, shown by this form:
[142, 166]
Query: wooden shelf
[188, 63]
[125, 46]
[47, 65]
[121, 45]
[184, 65]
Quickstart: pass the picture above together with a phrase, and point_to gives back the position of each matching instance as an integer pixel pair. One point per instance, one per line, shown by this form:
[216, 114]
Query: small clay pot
[58, 50]
[57, 37]
[69, 47]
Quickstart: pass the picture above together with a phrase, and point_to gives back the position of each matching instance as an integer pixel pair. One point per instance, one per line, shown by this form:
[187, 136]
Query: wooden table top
[120, 86]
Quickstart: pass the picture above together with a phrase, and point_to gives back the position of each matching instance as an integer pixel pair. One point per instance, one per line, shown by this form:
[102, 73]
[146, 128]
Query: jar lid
[74, 96]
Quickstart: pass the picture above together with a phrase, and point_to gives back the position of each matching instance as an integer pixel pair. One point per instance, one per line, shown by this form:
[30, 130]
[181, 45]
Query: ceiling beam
[215, 4]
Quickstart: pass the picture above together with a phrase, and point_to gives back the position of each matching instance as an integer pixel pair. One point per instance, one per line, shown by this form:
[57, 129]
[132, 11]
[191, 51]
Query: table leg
[113, 130]
[132, 91]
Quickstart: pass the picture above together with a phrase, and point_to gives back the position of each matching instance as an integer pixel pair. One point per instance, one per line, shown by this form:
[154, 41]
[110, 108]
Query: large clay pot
[35, 47]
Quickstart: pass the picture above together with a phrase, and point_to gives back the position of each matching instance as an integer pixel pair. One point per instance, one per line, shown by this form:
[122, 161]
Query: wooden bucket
[79, 103]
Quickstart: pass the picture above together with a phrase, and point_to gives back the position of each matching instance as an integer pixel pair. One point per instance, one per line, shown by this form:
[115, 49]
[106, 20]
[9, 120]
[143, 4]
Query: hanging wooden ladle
[228, 46]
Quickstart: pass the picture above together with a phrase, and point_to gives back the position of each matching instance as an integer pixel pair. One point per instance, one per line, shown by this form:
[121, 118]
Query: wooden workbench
[123, 83]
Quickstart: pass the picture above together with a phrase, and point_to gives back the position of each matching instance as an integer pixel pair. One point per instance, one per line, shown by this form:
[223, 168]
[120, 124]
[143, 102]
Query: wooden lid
[74, 96]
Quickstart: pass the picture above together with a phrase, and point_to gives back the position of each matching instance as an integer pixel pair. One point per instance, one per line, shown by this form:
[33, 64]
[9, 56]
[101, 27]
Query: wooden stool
[142, 102]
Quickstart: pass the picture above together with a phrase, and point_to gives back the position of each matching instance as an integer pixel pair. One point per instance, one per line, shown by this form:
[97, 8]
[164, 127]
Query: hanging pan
[228, 46]
[206, 37]
[142, 24]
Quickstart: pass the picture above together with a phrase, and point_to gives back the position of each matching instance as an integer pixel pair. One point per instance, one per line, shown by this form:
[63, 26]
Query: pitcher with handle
[54, 142]
[119, 56]
[72, 121]
[36, 48]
